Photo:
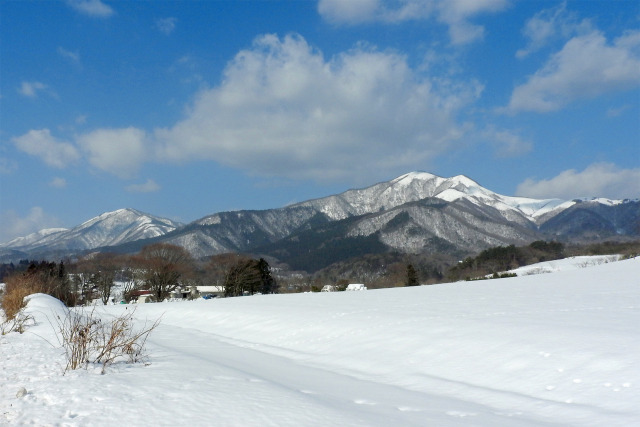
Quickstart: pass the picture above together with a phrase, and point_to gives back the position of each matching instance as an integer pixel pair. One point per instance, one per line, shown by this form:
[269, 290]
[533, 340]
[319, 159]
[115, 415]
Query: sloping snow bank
[556, 349]
[565, 264]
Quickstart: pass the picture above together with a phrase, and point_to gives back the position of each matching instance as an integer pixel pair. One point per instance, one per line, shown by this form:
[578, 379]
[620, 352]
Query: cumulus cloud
[148, 187]
[456, 14]
[93, 8]
[31, 89]
[17, 225]
[284, 110]
[166, 25]
[597, 180]
[41, 143]
[453, 13]
[586, 67]
[118, 151]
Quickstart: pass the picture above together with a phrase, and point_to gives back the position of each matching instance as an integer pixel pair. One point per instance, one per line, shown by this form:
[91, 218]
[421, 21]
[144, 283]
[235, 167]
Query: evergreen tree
[243, 276]
[269, 284]
[250, 276]
[412, 276]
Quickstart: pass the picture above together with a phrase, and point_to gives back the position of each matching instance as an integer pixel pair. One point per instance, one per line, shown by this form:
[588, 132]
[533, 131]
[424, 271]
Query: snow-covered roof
[210, 288]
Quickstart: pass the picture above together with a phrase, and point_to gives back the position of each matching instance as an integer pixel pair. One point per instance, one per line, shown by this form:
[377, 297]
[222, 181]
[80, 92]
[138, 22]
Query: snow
[408, 179]
[535, 208]
[462, 187]
[572, 263]
[551, 349]
[32, 238]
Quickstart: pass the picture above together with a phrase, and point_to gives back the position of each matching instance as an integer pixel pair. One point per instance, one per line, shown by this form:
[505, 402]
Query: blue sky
[186, 108]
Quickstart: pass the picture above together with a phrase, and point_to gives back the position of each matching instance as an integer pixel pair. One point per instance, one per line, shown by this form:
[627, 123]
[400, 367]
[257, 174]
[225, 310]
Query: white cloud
[597, 180]
[587, 66]
[118, 151]
[454, 13]
[353, 12]
[58, 182]
[16, 225]
[31, 89]
[551, 24]
[52, 151]
[507, 143]
[73, 57]
[283, 110]
[166, 25]
[148, 187]
[94, 8]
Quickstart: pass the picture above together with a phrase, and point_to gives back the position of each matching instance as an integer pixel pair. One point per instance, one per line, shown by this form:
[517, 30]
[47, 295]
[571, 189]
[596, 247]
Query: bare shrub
[88, 339]
[17, 323]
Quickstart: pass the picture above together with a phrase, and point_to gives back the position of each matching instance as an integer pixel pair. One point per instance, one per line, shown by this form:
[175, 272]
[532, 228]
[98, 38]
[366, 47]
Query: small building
[141, 296]
[143, 299]
[356, 287]
[328, 288]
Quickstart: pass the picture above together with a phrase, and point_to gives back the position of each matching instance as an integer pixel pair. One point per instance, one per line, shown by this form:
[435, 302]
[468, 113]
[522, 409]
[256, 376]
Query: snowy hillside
[566, 264]
[553, 349]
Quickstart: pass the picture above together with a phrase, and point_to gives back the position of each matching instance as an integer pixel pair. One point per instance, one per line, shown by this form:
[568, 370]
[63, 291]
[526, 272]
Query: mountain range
[415, 213]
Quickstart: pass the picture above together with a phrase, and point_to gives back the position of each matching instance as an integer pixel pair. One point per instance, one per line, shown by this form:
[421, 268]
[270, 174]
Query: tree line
[158, 268]
[162, 268]
[501, 258]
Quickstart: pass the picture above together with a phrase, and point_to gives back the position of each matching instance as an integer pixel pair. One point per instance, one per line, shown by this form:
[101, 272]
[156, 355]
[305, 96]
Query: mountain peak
[464, 180]
[414, 176]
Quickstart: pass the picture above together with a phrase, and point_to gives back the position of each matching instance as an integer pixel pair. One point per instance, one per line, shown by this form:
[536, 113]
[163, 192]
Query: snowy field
[549, 349]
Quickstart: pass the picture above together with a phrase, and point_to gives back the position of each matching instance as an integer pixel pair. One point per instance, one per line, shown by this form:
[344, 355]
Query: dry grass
[17, 287]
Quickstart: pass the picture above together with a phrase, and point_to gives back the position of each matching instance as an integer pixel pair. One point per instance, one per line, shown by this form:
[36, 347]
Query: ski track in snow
[552, 349]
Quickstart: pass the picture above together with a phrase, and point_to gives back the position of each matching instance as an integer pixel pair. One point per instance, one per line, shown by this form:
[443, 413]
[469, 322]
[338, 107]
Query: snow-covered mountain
[109, 229]
[416, 212]
[23, 242]
[416, 186]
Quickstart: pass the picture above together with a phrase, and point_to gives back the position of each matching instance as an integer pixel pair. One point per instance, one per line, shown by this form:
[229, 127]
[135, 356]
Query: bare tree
[81, 272]
[218, 267]
[163, 266]
[106, 266]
